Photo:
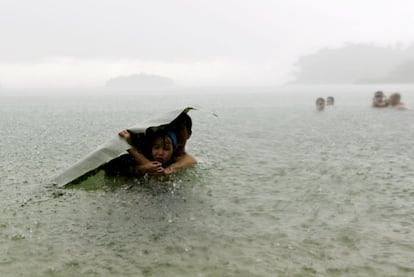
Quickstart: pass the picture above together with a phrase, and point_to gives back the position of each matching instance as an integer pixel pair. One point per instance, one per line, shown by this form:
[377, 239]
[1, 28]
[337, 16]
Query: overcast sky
[83, 43]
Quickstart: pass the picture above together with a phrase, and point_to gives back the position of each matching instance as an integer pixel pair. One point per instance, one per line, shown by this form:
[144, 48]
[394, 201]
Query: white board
[111, 150]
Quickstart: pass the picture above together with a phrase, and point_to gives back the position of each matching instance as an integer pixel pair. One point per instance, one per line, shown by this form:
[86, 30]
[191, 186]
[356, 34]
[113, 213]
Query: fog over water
[79, 44]
[280, 189]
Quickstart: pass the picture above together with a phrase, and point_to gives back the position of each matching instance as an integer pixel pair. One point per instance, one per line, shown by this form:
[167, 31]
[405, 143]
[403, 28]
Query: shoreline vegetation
[351, 64]
[356, 64]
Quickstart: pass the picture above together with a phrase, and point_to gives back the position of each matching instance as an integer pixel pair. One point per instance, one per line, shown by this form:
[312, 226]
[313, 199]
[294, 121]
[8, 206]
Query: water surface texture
[280, 189]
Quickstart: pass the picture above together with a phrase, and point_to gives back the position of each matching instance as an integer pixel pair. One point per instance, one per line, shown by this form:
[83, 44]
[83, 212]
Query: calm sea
[280, 189]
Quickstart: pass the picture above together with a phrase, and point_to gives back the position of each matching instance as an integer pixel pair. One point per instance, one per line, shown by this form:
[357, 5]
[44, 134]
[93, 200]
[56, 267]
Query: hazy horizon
[83, 44]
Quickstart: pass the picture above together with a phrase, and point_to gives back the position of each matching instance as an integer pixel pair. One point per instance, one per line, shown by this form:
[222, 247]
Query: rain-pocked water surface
[279, 189]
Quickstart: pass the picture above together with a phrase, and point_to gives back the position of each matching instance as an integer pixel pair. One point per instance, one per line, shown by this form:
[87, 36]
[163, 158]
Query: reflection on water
[280, 190]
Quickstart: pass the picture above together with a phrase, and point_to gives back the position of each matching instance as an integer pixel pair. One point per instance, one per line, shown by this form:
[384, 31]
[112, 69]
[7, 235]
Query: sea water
[279, 190]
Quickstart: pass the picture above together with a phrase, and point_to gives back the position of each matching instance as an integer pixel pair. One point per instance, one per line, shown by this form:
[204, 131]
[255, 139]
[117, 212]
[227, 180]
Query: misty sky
[83, 43]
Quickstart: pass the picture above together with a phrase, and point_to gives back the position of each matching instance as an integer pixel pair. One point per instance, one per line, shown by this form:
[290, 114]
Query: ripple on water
[276, 192]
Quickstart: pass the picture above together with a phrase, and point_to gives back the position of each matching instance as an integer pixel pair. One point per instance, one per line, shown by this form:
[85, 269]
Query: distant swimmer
[320, 104]
[330, 101]
[379, 100]
[395, 101]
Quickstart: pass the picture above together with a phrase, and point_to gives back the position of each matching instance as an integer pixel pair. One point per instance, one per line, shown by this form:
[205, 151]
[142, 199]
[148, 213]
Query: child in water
[320, 104]
[163, 149]
[379, 100]
[395, 101]
[159, 148]
[181, 126]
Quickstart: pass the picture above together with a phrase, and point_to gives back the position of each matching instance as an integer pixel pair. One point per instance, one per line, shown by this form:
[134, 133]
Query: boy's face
[162, 149]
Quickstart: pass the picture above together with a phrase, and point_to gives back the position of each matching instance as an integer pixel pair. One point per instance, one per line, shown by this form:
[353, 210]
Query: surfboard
[111, 149]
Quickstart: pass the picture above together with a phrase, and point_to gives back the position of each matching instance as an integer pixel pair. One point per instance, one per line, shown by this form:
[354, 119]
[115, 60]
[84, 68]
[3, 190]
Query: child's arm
[144, 165]
[182, 162]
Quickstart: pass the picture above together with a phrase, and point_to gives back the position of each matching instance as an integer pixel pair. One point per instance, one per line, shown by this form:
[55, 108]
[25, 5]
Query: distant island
[139, 82]
[356, 64]
[401, 74]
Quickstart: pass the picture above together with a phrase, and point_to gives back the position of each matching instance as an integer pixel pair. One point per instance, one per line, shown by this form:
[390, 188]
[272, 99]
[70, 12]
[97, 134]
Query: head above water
[379, 100]
[182, 126]
[394, 99]
[182, 121]
[379, 93]
[163, 146]
[320, 104]
[330, 101]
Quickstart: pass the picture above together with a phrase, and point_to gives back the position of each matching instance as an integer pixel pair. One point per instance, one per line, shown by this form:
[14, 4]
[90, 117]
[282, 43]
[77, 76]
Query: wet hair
[320, 99]
[183, 120]
[397, 95]
[152, 133]
[395, 98]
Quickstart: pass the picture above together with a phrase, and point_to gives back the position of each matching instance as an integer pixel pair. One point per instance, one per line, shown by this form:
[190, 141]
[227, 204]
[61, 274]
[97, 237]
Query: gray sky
[83, 43]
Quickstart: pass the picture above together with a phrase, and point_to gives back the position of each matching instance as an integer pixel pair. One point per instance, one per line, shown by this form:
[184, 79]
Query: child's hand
[153, 167]
[126, 135]
[168, 171]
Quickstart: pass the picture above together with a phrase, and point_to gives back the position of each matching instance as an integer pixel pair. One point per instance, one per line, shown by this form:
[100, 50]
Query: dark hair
[320, 99]
[183, 120]
[152, 133]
